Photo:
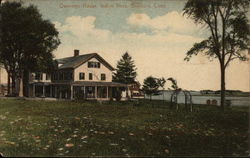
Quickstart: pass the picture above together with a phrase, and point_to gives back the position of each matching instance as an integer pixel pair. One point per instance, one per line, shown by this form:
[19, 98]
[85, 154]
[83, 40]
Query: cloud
[160, 53]
[171, 22]
[77, 31]
[81, 27]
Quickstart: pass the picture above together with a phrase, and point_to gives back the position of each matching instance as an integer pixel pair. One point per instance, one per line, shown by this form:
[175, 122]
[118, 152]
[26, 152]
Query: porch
[76, 90]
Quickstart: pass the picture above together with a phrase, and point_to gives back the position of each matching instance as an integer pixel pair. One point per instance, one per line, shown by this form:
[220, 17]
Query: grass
[64, 128]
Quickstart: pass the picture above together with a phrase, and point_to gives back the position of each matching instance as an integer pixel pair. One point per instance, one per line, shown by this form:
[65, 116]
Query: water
[201, 99]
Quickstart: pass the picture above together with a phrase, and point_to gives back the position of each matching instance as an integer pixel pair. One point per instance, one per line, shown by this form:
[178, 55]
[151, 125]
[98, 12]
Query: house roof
[75, 61]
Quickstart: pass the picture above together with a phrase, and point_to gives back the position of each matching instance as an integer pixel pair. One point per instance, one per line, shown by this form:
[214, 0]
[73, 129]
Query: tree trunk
[223, 88]
[8, 89]
[21, 85]
[13, 85]
[26, 83]
[127, 92]
[163, 95]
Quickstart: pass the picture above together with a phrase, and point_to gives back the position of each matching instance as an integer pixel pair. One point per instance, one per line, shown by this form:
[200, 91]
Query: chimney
[76, 52]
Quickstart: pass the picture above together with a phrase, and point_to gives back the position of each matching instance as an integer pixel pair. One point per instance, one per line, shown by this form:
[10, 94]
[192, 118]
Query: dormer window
[93, 64]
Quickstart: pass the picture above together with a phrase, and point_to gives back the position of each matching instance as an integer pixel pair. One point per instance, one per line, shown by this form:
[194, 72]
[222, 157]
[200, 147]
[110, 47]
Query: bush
[80, 97]
[12, 95]
[118, 94]
[136, 103]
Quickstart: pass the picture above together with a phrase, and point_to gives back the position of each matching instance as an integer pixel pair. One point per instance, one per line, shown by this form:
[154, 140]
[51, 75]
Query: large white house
[3, 80]
[87, 76]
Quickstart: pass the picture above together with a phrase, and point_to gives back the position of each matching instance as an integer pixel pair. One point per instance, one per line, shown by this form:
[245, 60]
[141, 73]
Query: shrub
[80, 97]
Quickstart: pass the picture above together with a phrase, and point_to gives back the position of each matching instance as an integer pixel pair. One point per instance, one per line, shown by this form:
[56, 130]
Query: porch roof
[40, 83]
[83, 83]
[87, 83]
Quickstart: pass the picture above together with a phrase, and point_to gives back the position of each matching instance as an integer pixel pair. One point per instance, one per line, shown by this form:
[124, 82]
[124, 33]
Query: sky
[154, 32]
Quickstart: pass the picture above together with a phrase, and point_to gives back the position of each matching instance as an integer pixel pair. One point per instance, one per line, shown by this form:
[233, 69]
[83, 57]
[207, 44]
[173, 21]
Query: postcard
[124, 78]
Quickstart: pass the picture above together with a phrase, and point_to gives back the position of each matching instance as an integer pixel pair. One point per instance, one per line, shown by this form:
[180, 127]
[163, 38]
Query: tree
[27, 41]
[125, 71]
[174, 83]
[229, 31]
[174, 95]
[150, 86]
[161, 83]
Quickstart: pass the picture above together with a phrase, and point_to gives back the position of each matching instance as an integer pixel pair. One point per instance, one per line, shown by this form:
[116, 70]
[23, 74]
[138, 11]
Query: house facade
[86, 76]
[3, 81]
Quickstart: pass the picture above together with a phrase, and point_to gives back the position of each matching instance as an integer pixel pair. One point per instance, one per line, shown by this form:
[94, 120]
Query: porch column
[55, 91]
[71, 92]
[60, 93]
[111, 92]
[34, 90]
[43, 91]
[85, 93]
[107, 92]
[95, 91]
[50, 91]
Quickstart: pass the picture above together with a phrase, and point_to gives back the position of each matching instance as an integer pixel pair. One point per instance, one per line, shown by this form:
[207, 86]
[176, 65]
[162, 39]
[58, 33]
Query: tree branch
[216, 41]
[223, 36]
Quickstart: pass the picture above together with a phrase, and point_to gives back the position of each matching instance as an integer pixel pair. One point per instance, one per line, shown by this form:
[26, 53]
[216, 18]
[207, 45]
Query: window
[66, 75]
[93, 64]
[38, 76]
[90, 76]
[103, 77]
[55, 76]
[63, 74]
[60, 76]
[48, 76]
[71, 76]
[81, 76]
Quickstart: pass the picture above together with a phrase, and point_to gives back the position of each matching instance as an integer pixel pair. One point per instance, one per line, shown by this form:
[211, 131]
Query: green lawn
[63, 128]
